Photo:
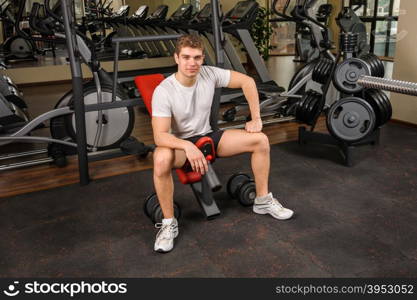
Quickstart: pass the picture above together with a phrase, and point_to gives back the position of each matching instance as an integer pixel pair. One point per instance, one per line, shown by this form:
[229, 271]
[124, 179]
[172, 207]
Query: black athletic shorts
[214, 135]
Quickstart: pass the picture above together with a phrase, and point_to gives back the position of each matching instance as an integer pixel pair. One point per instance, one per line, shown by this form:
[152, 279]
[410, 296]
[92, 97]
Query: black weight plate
[150, 204]
[322, 75]
[315, 75]
[310, 110]
[315, 109]
[299, 109]
[347, 74]
[305, 107]
[376, 94]
[381, 67]
[158, 215]
[247, 194]
[315, 112]
[387, 104]
[374, 66]
[382, 73]
[351, 119]
[379, 114]
[234, 183]
[369, 59]
[329, 65]
[378, 65]
[389, 107]
[325, 72]
[380, 96]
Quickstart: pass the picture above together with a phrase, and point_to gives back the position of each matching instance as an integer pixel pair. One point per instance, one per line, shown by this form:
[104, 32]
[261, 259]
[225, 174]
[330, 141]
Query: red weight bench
[202, 186]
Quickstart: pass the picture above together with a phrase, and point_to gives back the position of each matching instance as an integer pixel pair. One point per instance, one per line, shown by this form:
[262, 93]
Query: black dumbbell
[153, 210]
[242, 187]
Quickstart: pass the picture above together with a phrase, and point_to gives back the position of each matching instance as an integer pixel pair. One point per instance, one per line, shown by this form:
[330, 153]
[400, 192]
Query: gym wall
[405, 66]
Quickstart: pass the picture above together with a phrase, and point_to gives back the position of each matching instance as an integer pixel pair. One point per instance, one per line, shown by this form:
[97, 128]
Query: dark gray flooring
[349, 222]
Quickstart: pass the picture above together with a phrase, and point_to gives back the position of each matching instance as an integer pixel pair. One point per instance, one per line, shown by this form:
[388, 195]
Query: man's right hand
[196, 158]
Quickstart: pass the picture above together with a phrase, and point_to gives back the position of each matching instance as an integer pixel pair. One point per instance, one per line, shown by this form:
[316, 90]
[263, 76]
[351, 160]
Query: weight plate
[387, 104]
[298, 111]
[381, 98]
[234, 183]
[247, 194]
[149, 204]
[305, 108]
[384, 102]
[158, 215]
[383, 109]
[381, 68]
[379, 115]
[315, 109]
[389, 107]
[347, 74]
[378, 69]
[351, 119]
[373, 64]
[326, 71]
[310, 110]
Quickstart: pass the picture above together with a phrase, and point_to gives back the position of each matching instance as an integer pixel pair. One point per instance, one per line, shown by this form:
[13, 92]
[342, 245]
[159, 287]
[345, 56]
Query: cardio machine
[303, 83]
[105, 128]
[16, 47]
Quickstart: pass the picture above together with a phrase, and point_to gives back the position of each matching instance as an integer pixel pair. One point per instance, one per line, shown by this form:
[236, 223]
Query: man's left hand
[254, 125]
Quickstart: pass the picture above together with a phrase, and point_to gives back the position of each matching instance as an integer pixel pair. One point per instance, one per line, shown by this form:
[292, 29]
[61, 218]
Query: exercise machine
[108, 121]
[357, 115]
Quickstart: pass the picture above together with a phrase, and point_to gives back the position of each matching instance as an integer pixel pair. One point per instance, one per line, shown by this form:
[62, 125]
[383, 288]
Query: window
[381, 19]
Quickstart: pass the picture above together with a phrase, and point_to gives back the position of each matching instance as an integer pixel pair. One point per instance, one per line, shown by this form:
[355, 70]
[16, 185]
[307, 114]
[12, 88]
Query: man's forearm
[168, 140]
[250, 92]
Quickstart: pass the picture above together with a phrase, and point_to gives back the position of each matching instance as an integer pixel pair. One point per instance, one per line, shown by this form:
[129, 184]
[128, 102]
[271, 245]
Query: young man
[181, 107]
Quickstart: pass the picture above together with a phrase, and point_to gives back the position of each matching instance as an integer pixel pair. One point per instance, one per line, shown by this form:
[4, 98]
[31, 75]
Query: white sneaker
[165, 237]
[270, 205]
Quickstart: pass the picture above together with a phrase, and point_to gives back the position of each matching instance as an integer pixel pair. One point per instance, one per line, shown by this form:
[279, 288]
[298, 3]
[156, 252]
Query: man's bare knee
[262, 143]
[163, 160]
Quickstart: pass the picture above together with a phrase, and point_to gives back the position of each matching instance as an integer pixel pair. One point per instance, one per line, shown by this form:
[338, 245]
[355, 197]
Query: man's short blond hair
[189, 40]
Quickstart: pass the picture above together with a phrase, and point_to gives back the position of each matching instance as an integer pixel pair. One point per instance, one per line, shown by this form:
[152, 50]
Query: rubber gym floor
[349, 222]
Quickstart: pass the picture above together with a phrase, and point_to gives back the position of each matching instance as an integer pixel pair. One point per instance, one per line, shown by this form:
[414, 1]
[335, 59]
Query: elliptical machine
[105, 128]
[306, 47]
[305, 83]
[16, 47]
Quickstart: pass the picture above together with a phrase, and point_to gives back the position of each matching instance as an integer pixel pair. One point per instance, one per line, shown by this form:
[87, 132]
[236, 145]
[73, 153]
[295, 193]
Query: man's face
[189, 61]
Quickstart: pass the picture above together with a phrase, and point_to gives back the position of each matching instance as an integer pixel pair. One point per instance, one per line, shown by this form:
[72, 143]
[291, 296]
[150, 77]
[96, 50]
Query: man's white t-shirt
[189, 107]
